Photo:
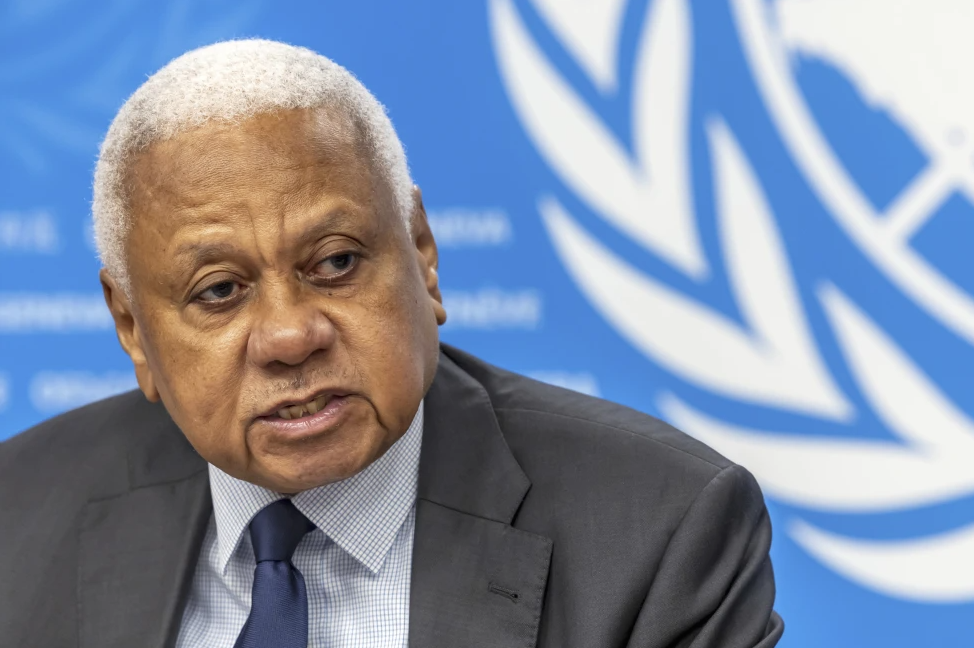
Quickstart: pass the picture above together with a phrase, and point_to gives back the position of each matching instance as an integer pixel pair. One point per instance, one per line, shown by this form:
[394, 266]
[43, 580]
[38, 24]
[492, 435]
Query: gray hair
[229, 82]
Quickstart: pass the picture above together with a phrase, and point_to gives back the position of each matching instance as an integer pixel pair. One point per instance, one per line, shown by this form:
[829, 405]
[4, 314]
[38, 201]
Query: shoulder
[613, 488]
[601, 470]
[74, 432]
[73, 452]
[535, 416]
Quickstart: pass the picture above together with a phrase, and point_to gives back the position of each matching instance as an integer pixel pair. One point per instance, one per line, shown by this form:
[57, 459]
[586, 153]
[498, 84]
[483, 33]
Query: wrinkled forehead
[285, 154]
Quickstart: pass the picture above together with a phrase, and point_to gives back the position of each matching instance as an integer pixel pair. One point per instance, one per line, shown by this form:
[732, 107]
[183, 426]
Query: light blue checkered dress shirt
[356, 564]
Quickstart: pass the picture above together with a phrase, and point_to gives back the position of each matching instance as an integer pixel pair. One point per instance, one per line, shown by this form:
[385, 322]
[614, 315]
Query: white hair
[229, 82]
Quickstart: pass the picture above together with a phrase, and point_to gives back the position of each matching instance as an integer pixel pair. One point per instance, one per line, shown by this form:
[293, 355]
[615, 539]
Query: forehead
[293, 155]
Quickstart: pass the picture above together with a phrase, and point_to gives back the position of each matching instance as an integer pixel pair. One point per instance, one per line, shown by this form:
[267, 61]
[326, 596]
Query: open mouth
[302, 410]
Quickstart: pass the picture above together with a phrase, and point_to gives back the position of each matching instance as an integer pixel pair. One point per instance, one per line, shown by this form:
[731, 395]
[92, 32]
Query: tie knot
[277, 529]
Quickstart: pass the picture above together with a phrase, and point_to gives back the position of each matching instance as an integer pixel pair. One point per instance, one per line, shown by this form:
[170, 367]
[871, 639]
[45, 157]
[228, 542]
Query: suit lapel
[138, 549]
[476, 580]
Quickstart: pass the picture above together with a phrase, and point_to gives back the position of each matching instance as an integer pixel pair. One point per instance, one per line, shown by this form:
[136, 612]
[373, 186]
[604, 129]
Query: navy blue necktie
[279, 608]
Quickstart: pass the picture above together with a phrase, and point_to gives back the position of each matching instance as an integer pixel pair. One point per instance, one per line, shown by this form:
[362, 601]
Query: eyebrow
[338, 219]
[202, 252]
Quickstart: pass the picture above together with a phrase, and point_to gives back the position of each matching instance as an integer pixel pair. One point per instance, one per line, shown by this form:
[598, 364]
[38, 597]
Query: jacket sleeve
[714, 587]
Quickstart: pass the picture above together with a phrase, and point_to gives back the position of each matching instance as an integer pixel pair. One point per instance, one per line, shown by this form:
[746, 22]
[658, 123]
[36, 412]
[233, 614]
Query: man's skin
[268, 266]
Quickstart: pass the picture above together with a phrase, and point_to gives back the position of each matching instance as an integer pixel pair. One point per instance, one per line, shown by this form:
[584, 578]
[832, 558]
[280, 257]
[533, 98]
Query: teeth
[309, 408]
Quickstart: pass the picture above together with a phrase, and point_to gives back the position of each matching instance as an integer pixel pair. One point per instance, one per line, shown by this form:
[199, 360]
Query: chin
[313, 470]
[294, 460]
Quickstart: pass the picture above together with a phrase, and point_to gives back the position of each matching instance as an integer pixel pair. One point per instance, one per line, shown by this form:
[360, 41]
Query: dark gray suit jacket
[544, 518]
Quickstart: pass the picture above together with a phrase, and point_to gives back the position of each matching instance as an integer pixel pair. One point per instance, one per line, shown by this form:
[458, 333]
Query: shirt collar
[361, 514]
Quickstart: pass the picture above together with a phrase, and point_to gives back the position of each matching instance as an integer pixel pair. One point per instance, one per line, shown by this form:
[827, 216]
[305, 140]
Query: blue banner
[751, 218]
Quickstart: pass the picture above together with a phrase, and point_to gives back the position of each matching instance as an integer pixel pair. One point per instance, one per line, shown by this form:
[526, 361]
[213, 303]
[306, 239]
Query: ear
[428, 256]
[129, 335]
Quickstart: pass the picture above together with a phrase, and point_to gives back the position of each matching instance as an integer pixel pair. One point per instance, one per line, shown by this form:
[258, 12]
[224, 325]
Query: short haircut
[230, 82]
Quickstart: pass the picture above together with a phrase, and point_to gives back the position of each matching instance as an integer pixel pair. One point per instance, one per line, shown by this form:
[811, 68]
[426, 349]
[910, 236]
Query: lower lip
[328, 417]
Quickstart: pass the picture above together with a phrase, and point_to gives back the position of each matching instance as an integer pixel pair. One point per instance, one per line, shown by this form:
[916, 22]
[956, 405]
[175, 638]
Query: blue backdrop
[749, 217]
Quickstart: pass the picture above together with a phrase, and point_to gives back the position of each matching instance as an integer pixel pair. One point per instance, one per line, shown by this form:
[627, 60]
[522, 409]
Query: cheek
[389, 345]
[199, 377]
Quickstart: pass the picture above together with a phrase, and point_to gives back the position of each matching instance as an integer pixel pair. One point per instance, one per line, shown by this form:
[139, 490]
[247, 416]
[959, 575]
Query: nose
[288, 330]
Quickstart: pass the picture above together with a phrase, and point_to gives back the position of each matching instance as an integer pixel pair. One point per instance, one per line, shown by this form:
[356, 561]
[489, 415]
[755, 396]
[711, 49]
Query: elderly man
[305, 463]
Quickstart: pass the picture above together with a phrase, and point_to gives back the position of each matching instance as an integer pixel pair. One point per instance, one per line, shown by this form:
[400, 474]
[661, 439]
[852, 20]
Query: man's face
[279, 308]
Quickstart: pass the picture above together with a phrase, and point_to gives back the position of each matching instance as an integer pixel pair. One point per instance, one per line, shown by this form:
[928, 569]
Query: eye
[218, 292]
[336, 265]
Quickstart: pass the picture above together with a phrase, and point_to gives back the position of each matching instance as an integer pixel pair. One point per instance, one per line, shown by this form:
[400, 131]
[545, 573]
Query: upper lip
[301, 400]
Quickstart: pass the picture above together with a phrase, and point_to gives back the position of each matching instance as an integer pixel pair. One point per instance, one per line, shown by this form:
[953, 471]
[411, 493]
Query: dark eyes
[337, 265]
[329, 269]
[218, 292]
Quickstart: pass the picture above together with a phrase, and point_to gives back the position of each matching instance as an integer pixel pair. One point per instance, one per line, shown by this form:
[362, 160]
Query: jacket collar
[466, 464]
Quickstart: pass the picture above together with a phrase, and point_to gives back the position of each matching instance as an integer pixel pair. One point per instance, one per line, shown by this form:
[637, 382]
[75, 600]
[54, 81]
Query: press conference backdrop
[749, 217]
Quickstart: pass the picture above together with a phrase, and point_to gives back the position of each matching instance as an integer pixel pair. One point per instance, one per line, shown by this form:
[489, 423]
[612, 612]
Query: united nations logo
[785, 359]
